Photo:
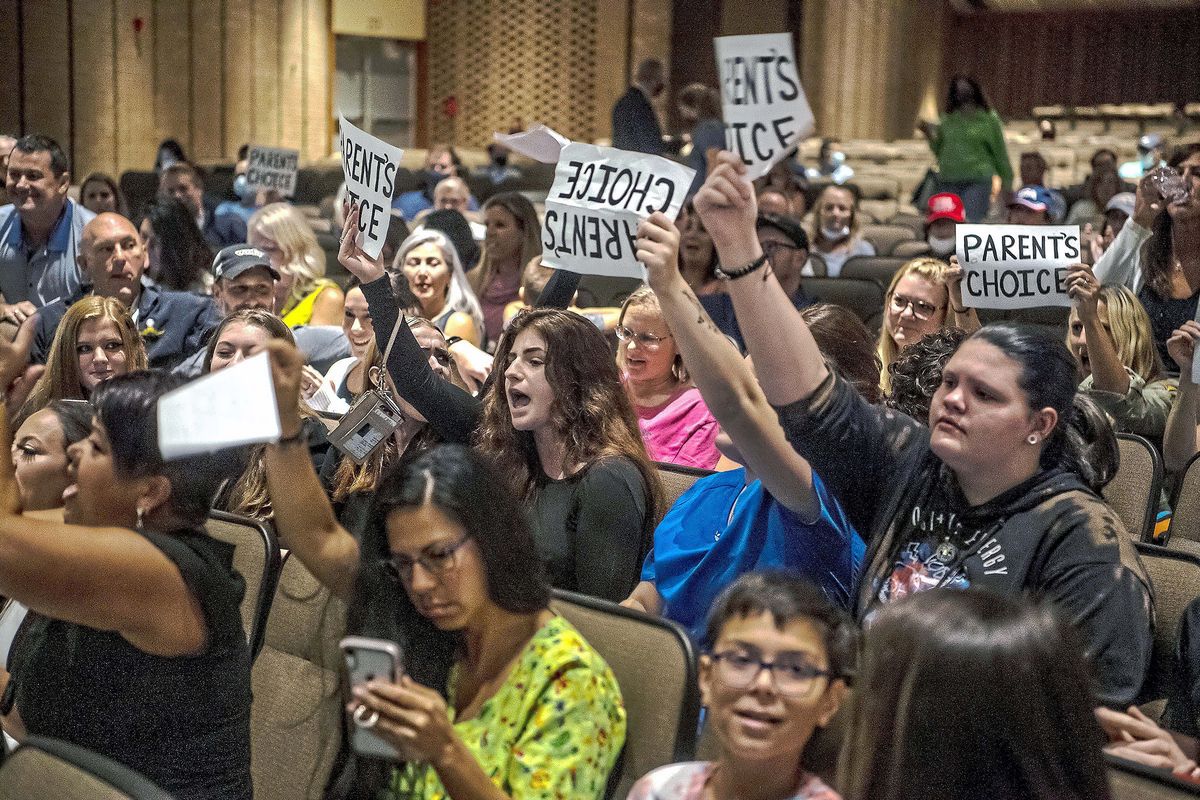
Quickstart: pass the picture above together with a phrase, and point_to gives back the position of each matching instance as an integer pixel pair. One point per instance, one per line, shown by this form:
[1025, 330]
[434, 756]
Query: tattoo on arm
[702, 317]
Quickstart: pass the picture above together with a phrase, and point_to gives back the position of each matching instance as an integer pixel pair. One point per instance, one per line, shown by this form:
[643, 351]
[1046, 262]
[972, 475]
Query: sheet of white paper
[369, 167]
[235, 406]
[326, 399]
[1016, 266]
[765, 109]
[273, 168]
[539, 143]
[599, 196]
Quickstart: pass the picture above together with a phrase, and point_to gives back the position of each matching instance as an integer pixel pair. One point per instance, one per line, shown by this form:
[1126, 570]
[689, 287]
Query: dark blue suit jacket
[635, 125]
[180, 322]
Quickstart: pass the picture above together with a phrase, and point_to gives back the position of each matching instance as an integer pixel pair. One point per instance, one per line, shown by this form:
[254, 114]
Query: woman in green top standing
[969, 145]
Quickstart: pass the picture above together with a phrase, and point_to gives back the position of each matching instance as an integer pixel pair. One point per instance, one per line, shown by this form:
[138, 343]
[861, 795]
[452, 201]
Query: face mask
[500, 159]
[939, 246]
[837, 158]
[242, 188]
[835, 234]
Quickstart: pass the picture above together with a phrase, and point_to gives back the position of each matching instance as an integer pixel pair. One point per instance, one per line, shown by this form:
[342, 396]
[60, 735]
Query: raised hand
[1182, 347]
[658, 249]
[729, 210]
[351, 256]
[1084, 289]
[287, 370]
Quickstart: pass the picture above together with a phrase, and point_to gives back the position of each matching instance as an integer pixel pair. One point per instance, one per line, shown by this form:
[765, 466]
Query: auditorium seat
[654, 662]
[675, 479]
[49, 769]
[1185, 503]
[863, 297]
[256, 558]
[1175, 578]
[296, 717]
[912, 249]
[884, 238]
[880, 268]
[1134, 491]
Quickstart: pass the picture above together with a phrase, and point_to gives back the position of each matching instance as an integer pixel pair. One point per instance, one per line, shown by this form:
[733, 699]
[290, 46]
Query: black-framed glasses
[437, 560]
[646, 340]
[775, 249]
[920, 309]
[794, 676]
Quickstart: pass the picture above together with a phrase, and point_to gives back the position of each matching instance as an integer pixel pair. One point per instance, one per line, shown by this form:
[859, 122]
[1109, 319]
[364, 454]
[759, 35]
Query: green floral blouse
[552, 731]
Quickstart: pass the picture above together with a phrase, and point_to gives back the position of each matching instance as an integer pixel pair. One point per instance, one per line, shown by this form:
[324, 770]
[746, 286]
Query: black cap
[789, 227]
[237, 258]
[458, 230]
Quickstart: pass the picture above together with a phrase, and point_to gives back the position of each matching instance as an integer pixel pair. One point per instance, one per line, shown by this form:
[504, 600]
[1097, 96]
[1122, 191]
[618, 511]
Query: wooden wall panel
[95, 87]
[291, 64]
[266, 111]
[47, 77]
[134, 113]
[172, 67]
[10, 65]
[239, 75]
[318, 69]
[1081, 58]
[207, 86]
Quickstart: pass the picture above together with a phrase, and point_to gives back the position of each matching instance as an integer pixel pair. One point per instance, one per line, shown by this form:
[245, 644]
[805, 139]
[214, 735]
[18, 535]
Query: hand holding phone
[367, 660]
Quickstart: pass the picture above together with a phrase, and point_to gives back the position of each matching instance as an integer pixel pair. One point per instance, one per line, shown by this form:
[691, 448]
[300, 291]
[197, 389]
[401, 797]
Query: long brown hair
[531, 242]
[1160, 248]
[591, 411]
[62, 380]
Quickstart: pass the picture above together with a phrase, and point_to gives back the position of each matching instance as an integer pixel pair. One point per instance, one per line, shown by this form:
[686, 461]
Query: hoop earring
[141, 518]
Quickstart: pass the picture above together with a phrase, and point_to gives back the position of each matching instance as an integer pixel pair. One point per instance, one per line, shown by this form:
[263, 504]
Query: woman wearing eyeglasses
[676, 425]
[925, 294]
[772, 673]
[500, 697]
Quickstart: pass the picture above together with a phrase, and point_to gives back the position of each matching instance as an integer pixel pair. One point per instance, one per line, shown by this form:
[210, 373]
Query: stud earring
[141, 518]
[1033, 438]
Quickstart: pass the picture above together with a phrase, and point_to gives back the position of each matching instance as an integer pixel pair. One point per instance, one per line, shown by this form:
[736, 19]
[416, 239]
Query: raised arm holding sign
[369, 166]
[1016, 266]
[598, 198]
[766, 111]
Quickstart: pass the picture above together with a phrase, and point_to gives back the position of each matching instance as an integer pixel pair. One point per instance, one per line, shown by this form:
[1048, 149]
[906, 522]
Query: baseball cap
[237, 258]
[1122, 201]
[946, 205]
[785, 225]
[1035, 198]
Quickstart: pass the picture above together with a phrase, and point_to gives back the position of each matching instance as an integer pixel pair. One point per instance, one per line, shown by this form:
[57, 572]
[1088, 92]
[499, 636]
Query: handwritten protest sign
[1016, 266]
[232, 407]
[766, 112]
[599, 196]
[273, 168]
[539, 143]
[369, 166]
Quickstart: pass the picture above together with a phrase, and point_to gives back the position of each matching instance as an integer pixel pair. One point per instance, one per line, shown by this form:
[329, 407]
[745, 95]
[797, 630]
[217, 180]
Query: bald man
[112, 258]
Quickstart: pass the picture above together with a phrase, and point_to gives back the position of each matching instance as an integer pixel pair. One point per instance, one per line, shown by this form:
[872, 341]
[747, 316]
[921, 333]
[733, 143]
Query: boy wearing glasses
[773, 671]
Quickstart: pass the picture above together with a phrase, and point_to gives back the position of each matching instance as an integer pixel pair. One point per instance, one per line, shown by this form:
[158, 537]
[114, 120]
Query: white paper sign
[369, 166]
[539, 143]
[273, 168]
[232, 407]
[599, 196]
[766, 111]
[1016, 266]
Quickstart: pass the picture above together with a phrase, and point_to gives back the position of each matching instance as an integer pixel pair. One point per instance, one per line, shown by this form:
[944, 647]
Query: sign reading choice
[766, 112]
[598, 198]
[1016, 266]
[369, 166]
[273, 168]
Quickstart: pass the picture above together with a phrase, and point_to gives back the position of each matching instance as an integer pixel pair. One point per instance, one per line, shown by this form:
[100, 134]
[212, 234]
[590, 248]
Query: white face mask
[835, 234]
[939, 246]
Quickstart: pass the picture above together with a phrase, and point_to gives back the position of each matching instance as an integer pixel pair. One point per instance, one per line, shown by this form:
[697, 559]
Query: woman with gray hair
[430, 264]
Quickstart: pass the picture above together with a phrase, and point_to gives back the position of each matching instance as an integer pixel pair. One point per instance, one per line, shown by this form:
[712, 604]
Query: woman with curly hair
[917, 372]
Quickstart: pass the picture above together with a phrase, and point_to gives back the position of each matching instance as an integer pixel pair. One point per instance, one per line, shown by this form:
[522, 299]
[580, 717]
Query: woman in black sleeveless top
[134, 646]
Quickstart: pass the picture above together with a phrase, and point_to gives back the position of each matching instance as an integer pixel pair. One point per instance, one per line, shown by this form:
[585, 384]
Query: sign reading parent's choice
[370, 169]
[599, 196]
[766, 112]
[1016, 266]
[273, 168]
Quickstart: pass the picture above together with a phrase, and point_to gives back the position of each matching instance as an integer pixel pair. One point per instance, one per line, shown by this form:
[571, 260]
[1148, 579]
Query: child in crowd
[774, 670]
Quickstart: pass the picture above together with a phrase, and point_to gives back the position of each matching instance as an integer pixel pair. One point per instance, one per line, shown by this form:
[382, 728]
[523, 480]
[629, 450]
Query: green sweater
[970, 147]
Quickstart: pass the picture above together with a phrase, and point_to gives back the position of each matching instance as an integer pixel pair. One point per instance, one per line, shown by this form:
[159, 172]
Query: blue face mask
[242, 188]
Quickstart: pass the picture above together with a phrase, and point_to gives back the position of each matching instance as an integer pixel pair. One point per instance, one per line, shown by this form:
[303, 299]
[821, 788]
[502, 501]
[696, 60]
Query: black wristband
[734, 274]
[298, 437]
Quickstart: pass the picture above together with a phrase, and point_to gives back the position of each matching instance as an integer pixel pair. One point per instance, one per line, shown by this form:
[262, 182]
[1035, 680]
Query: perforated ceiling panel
[508, 63]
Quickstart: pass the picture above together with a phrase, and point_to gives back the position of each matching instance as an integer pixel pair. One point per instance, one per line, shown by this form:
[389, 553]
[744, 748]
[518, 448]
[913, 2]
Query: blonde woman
[674, 421]
[96, 341]
[303, 295]
[835, 228]
[434, 272]
[925, 294]
[1112, 341]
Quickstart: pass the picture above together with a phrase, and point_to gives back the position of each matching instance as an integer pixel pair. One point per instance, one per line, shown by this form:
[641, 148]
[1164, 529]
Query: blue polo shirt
[697, 552]
[48, 273]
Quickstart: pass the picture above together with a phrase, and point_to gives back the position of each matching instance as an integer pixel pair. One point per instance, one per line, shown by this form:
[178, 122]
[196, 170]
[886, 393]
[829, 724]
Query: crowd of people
[899, 535]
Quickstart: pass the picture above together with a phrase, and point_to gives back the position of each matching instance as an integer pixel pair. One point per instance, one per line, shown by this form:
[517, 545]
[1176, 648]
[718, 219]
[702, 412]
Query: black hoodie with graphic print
[1050, 537]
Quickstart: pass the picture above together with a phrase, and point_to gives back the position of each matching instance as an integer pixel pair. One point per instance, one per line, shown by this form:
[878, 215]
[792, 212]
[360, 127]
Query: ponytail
[1085, 444]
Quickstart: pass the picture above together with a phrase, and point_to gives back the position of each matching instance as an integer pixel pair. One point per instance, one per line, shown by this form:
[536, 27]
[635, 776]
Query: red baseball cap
[946, 206]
